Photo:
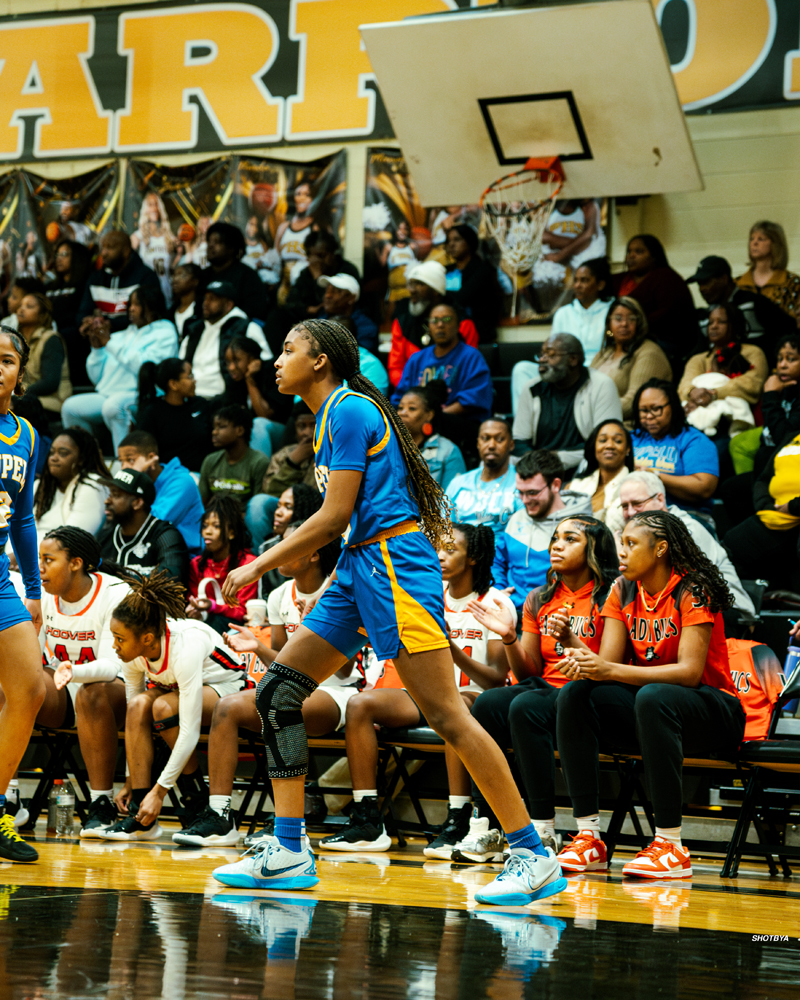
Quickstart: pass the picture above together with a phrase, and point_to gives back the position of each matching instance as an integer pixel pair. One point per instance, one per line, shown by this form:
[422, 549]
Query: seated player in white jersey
[82, 673]
[479, 663]
[323, 711]
[175, 670]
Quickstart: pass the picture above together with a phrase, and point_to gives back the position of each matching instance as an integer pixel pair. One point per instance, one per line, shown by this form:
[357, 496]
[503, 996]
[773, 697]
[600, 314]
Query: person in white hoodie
[204, 345]
[114, 362]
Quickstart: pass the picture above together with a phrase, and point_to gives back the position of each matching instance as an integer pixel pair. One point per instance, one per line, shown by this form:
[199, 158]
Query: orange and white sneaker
[661, 859]
[585, 854]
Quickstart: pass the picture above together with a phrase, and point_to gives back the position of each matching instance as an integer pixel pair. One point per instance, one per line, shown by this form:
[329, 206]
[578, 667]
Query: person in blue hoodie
[461, 367]
[114, 362]
[522, 551]
[177, 496]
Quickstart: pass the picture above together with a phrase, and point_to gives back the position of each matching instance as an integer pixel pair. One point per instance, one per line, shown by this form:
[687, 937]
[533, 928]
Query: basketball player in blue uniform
[387, 586]
[20, 660]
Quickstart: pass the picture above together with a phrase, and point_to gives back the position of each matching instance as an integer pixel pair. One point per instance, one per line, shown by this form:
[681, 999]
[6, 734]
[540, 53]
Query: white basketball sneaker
[525, 877]
[271, 866]
[480, 845]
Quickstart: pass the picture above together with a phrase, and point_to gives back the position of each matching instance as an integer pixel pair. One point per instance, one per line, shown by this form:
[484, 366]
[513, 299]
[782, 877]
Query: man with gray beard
[558, 409]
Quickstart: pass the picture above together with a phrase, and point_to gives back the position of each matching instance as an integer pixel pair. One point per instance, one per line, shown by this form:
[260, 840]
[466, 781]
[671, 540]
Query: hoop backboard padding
[473, 94]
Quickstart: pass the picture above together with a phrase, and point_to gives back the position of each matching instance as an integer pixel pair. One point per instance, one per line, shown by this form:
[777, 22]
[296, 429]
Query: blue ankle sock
[2, 804]
[528, 838]
[290, 833]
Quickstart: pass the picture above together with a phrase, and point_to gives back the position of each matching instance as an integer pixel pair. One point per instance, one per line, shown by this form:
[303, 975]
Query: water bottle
[52, 805]
[789, 666]
[65, 810]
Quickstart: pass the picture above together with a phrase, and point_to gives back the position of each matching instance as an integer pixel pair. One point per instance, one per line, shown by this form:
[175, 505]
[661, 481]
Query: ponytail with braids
[341, 348]
[78, 544]
[150, 602]
[705, 582]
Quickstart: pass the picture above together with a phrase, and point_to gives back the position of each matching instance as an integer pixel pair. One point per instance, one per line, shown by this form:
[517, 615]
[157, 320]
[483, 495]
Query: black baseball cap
[137, 483]
[223, 289]
[711, 267]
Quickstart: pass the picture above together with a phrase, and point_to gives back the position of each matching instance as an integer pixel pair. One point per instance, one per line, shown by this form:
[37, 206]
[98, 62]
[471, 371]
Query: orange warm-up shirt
[584, 619]
[655, 635]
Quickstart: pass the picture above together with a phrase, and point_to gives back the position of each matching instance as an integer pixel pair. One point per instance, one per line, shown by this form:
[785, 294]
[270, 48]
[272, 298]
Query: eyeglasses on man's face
[637, 505]
[530, 494]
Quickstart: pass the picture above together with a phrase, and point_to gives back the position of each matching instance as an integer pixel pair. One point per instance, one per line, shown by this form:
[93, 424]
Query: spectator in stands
[47, 371]
[767, 274]
[177, 497]
[472, 282]
[108, 291]
[765, 320]
[339, 302]
[766, 544]
[566, 610]
[666, 690]
[115, 360]
[236, 469]
[19, 288]
[488, 494]
[72, 263]
[251, 383]
[296, 503]
[70, 490]
[560, 407]
[204, 345]
[294, 463]
[522, 554]
[663, 295]
[628, 356]
[226, 546]
[225, 249]
[426, 289]
[187, 303]
[682, 457]
[178, 420]
[369, 365]
[644, 491]
[460, 366]
[584, 318]
[419, 409]
[133, 537]
[608, 459]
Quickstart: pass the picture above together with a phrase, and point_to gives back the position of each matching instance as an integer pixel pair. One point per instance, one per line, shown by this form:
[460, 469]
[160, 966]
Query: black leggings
[666, 722]
[758, 551]
[523, 716]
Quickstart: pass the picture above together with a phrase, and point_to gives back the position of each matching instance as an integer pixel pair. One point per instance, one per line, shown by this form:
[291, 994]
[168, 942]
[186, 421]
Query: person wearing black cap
[224, 250]
[766, 322]
[205, 344]
[135, 539]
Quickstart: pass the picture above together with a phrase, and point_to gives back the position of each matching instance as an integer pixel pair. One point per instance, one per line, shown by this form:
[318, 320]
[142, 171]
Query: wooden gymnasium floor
[94, 919]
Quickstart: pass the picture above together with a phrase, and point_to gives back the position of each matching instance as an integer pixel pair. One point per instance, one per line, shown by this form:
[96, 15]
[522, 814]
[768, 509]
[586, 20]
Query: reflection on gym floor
[59, 943]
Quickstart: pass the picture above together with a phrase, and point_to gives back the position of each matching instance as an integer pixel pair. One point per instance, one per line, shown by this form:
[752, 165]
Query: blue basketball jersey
[353, 433]
[19, 445]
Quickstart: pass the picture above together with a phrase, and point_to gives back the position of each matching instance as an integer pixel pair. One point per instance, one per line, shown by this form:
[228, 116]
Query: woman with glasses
[683, 458]
[461, 367]
[609, 459]
[628, 356]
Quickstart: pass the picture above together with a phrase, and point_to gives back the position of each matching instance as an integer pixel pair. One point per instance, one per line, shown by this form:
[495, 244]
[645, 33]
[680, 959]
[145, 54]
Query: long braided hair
[701, 576]
[79, 544]
[480, 547]
[90, 460]
[601, 558]
[230, 519]
[152, 599]
[341, 348]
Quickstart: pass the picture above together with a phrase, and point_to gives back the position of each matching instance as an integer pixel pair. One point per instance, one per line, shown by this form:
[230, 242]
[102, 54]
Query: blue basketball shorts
[12, 610]
[388, 591]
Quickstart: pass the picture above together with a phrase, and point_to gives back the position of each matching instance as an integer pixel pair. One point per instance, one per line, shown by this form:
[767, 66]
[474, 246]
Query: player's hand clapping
[558, 626]
[63, 675]
[497, 619]
[241, 640]
[582, 664]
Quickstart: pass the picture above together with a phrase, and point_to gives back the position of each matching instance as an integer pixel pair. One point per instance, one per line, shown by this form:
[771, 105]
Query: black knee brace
[279, 702]
[159, 725]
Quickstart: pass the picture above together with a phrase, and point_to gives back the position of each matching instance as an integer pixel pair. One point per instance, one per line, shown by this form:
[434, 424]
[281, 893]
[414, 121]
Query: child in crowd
[175, 671]
[660, 683]
[169, 410]
[583, 566]
[323, 712]
[479, 663]
[226, 546]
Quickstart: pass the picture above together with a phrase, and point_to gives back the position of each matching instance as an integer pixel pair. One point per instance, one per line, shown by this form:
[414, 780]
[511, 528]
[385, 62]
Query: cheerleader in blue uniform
[387, 586]
[20, 660]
